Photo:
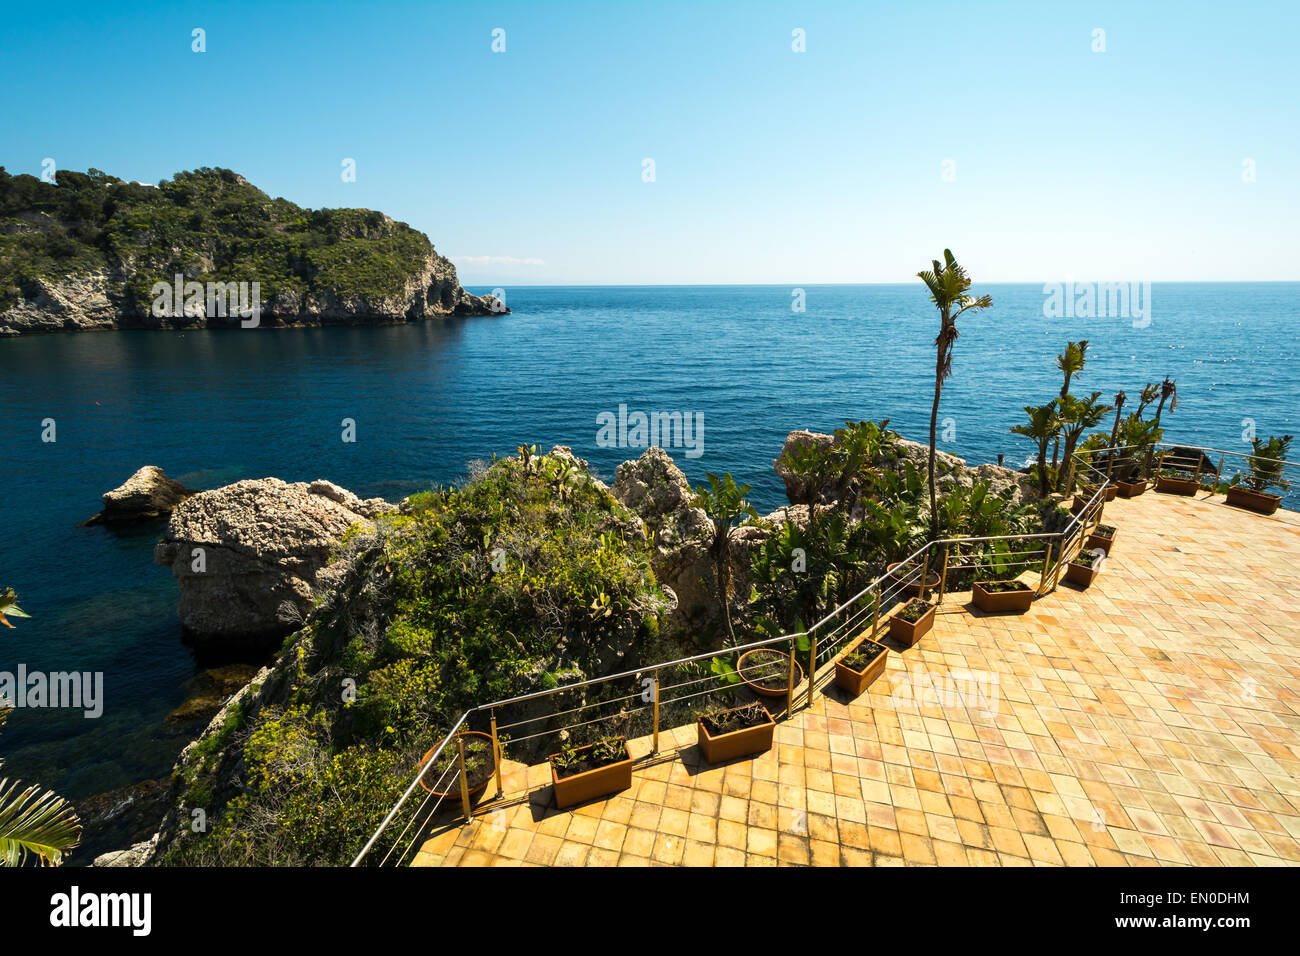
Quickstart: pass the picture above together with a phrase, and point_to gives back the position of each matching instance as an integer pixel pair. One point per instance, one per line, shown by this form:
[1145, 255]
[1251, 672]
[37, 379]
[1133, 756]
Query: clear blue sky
[771, 166]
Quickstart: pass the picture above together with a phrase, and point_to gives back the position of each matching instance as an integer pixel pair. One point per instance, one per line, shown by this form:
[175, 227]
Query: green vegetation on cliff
[210, 224]
[529, 574]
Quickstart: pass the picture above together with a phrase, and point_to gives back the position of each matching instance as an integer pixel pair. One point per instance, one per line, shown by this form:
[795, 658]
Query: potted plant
[1129, 480]
[1130, 489]
[1103, 536]
[443, 778]
[595, 770]
[1175, 481]
[1083, 567]
[727, 734]
[912, 621]
[863, 663]
[909, 576]
[1087, 491]
[1266, 466]
[1081, 501]
[994, 597]
[767, 672]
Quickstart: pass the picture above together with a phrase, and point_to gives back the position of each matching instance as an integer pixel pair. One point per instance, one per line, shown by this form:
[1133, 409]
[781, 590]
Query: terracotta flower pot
[746, 660]
[450, 787]
[1131, 489]
[590, 784]
[856, 682]
[1096, 540]
[736, 743]
[996, 602]
[1080, 575]
[908, 633]
[1177, 486]
[1087, 491]
[898, 572]
[1254, 500]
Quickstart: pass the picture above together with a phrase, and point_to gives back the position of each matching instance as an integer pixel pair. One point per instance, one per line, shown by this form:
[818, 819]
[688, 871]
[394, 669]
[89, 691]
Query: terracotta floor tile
[1119, 735]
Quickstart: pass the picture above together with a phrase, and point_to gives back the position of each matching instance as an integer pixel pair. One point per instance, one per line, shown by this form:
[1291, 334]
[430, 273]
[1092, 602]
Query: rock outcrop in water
[147, 495]
[247, 556]
[88, 254]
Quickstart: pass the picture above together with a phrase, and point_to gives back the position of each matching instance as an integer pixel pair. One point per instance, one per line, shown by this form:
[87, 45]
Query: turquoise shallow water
[213, 407]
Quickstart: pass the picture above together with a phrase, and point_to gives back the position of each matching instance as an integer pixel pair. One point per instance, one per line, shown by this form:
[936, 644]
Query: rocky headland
[89, 251]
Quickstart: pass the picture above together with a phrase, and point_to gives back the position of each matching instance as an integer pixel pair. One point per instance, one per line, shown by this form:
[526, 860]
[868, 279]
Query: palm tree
[1169, 393]
[1044, 424]
[1149, 393]
[948, 285]
[1071, 363]
[1077, 416]
[32, 823]
[1120, 399]
[724, 502]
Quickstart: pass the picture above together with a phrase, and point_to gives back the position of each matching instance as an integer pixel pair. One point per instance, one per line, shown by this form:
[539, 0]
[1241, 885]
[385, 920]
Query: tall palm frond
[43, 825]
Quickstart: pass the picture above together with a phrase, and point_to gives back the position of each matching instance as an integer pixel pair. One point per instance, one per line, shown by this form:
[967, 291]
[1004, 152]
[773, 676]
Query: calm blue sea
[214, 407]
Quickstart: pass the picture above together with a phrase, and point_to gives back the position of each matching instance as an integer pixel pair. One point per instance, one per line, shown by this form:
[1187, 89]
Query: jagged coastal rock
[657, 491]
[68, 265]
[146, 495]
[949, 469]
[247, 556]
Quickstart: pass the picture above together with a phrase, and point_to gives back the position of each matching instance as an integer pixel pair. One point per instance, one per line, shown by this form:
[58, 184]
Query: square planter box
[1087, 491]
[908, 633]
[601, 782]
[1177, 486]
[856, 682]
[1079, 503]
[1096, 541]
[995, 602]
[737, 743]
[1078, 574]
[1254, 500]
[1130, 489]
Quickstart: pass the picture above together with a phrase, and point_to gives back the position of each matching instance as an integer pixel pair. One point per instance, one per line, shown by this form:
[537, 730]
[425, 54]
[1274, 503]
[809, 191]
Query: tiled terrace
[1153, 719]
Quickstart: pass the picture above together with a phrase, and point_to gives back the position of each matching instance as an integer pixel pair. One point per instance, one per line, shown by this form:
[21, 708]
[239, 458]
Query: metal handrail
[655, 669]
[1200, 448]
[414, 783]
